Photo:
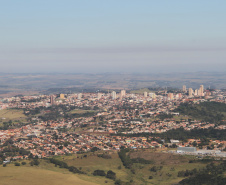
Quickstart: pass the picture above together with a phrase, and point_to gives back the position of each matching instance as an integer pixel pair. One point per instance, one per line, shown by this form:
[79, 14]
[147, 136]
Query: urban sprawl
[76, 123]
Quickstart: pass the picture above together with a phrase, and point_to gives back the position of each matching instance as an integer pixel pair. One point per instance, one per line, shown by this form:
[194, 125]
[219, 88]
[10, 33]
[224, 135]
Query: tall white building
[145, 94]
[190, 92]
[80, 96]
[184, 88]
[113, 95]
[123, 93]
[201, 90]
[152, 95]
[99, 95]
[196, 92]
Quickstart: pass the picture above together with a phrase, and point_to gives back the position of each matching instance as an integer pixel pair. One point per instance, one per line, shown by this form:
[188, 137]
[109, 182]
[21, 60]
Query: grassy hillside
[162, 170]
[139, 172]
[24, 175]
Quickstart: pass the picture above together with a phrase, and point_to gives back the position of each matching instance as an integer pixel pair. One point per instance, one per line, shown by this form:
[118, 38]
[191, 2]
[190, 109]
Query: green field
[12, 114]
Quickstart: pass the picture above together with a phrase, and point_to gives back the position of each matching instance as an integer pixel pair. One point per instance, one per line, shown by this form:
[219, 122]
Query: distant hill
[18, 83]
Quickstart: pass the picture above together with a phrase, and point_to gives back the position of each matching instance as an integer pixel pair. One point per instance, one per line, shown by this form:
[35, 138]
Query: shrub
[75, 170]
[118, 182]
[111, 175]
[150, 177]
[36, 162]
[32, 163]
[17, 164]
[105, 156]
[99, 173]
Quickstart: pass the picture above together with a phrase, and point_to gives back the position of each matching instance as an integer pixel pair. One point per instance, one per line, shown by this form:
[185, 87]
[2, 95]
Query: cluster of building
[196, 92]
[115, 113]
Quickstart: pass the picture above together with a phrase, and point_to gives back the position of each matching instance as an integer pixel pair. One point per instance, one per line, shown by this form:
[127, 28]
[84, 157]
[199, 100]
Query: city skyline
[112, 36]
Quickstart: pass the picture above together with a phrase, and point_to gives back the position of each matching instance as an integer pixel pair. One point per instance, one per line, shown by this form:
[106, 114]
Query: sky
[96, 36]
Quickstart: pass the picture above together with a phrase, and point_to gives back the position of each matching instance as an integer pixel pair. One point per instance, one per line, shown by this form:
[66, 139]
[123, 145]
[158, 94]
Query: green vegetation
[99, 173]
[10, 150]
[183, 135]
[111, 175]
[60, 111]
[128, 162]
[17, 164]
[213, 112]
[211, 174]
[62, 164]
[163, 116]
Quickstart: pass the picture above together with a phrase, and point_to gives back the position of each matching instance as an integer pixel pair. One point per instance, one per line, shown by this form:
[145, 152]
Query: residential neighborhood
[77, 123]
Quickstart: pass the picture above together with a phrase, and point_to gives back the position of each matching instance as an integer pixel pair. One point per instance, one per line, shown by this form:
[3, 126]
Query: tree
[94, 149]
[36, 162]
[99, 173]
[194, 143]
[17, 164]
[118, 182]
[111, 175]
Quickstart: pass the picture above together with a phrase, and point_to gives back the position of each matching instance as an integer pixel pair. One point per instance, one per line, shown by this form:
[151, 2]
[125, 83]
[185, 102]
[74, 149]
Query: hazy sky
[112, 35]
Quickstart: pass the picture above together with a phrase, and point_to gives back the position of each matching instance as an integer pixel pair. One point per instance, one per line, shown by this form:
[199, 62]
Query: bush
[150, 177]
[105, 156]
[118, 182]
[4, 165]
[36, 162]
[32, 163]
[142, 161]
[153, 169]
[17, 164]
[99, 173]
[61, 164]
[23, 163]
[156, 168]
[111, 175]
[75, 170]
